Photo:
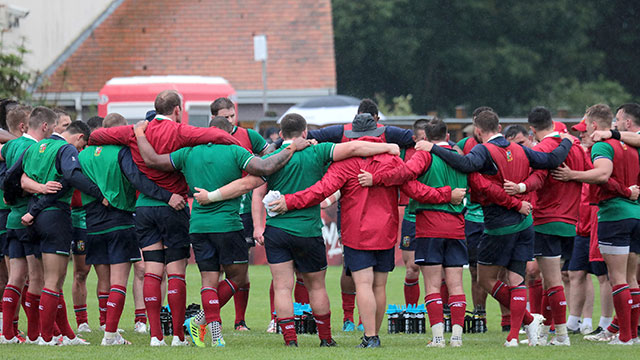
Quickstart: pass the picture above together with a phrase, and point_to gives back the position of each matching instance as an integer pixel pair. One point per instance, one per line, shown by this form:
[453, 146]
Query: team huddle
[531, 221]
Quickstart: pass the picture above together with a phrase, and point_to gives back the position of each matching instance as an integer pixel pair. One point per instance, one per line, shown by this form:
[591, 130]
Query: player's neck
[486, 136]
[541, 134]
[35, 134]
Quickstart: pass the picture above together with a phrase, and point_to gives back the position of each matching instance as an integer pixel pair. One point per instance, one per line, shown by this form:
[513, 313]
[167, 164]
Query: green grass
[257, 344]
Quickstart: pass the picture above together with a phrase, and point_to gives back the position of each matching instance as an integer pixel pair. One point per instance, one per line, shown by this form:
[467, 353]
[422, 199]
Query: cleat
[241, 326]
[33, 342]
[271, 329]
[348, 325]
[20, 337]
[292, 343]
[371, 342]
[455, 341]
[533, 329]
[524, 341]
[511, 343]
[115, 340]
[140, 327]
[196, 332]
[103, 328]
[58, 339]
[177, 342]
[603, 335]
[328, 343]
[586, 330]
[84, 327]
[75, 341]
[635, 341]
[560, 341]
[437, 342]
[360, 327]
[573, 331]
[617, 341]
[13, 340]
[157, 342]
[52, 342]
[219, 342]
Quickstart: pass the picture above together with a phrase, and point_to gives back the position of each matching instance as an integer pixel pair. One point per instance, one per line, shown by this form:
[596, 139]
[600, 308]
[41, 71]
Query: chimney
[563, 113]
[461, 112]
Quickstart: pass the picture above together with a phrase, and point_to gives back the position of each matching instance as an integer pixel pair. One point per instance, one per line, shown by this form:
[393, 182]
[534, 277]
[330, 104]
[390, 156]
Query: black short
[162, 224]
[598, 268]
[619, 237]
[439, 251]
[546, 245]
[215, 249]
[503, 250]
[247, 223]
[115, 247]
[53, 230]
[380, 260]
[408, 236]
[3, 228]
[79, 242]
[473, 232]
[308, 253]
[20, 244]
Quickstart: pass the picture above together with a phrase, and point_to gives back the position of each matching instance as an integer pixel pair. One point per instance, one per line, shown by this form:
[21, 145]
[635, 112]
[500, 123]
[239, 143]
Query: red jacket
[165, 136]
[369, 215]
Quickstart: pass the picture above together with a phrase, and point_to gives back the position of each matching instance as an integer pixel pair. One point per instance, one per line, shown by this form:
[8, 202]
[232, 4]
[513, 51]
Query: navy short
[53, 230]
[408, 236]
[440, 251]
[580, 255]
[473, 232]
[3, 228]
[247, 223]
[20, 244]
[308, 253]
[598, 268]
[162, 224]
[546, 245]
[503, 250]
[619, 237]
[214, 249]
[380, 260]
[114, 247]
[79, 242]
[566, 253]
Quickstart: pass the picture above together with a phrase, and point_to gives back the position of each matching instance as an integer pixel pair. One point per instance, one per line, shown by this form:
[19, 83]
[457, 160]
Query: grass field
[257, 344]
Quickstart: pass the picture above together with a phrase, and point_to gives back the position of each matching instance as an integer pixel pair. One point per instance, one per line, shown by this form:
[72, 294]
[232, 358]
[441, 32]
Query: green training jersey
[11, 152]
[212, 166]
[258, 144]
[39, 163]
[79, 218]
[304, 169]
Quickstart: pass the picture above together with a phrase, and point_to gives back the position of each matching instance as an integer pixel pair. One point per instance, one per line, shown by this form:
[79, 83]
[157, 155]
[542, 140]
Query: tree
[13, 78]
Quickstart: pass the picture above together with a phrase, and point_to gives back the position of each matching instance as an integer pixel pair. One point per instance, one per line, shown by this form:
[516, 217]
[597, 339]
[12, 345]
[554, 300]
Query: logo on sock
[112, 304]
[172, 292]
[519, 298]
[211, 302]
[151, 298]
[7, 299]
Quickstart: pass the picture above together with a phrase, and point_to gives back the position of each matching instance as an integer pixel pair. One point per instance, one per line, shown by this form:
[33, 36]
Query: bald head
[166, 102]
[221, 123]
[113, 120]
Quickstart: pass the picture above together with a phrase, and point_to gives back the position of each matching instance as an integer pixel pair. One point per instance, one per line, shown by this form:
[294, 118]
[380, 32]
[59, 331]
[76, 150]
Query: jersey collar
[552, 134]
[495, 136]
[29, 137]
[162, 117]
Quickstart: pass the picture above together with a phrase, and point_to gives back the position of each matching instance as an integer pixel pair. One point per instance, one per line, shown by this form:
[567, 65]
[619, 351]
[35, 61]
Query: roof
[204, 38]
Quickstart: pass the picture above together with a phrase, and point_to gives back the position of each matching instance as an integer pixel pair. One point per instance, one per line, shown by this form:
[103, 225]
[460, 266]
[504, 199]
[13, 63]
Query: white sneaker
[272, 327]
[52, 342]
[115, 340]
[617, 341]
[601, 336]
[635, 341]
[586, 330]
[156, 342]
[560, 341]
[84, 327]
[140, 327]
[455, 341]
[75, 341]
[13, 340]
[533, 329]
[511, 343]
[104, 327]
[437, 342]
[176, 341]
[33, 342]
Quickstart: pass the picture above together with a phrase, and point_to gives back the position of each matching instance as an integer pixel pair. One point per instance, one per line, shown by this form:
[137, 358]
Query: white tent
[327, 110]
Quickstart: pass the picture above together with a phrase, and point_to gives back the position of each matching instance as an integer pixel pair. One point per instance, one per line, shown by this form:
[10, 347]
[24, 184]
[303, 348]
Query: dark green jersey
[39, 163]
[11, 152]
[210, 167]
[258, 144]
[304, 169]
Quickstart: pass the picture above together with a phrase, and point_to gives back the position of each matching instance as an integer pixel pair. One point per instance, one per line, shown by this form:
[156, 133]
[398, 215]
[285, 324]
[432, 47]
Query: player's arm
[6, 136]
[474, 161]
[33, 187]
[397, 172]
[551, 160]
[119, 135]
[363, 149]
[258, 144]
[532, 183]
[37, 205]
[188, 135]
[232, 190]
[67, 164]
[258, 213]
[627, 137]
[401, 137]
[331, 133]
[494, 193]
[263, 167]
[151, 158]
[429, 195]
[600, 174]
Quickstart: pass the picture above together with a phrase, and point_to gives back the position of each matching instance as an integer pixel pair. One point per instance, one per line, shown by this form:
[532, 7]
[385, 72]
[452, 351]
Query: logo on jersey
[80, 245]
[43, 147]
[406, 241]
[98, 151]
[509, 155]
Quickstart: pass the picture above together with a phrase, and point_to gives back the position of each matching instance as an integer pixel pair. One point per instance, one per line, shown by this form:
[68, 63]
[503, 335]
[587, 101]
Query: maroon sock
[300, 293]
[226, 289]
[103, 297]
[152, 294]
[502, 293]
[62, 320]
[434, 308]
[518, 307]
[535, 297]
[81, 314]
[323, 322]
[411, 291]
[177, 298]
[558, 304]
[505, 320]
[48, 310]
[444, 292]
[546, 309]
[635, 311]
[32, 305]
[240, 300]
[613, 327]
[348, 305]
[11, 301]
[288, 329]
[140, 315]
[23, 296]
[458, 306]
[210, 304]
[56, 329]
[115, 304]
[272, 304]
[621, 302]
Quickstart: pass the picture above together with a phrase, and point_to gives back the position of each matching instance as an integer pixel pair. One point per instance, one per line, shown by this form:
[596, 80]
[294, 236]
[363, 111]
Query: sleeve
[68, 164]
[536, 180]
[178, 157]
[324, 152]
[38, 204]
[462, 142]
[399, 136]
[119, 135]
[188, 135]
[333, 180]
[494, 193]
[474, 161]
[331, 133]
[242, 156]
[426, 194]
[543, 160]
[258, 143]
[601, 150]
[613, 185]
[397, 172]
[138, 179]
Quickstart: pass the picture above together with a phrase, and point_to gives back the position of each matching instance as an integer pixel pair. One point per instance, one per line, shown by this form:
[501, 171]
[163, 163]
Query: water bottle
[482, 321]
[421, 322]
[447, 319]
